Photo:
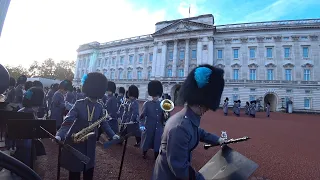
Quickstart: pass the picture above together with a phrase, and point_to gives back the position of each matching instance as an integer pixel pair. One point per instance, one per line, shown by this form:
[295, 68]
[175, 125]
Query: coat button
[185, 117]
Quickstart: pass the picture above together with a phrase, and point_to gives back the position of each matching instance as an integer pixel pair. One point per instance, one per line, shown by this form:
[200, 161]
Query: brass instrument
[167, 106]
[88, 131]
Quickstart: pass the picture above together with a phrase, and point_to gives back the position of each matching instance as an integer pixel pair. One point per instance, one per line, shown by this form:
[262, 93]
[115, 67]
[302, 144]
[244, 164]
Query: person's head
[78, 90]
[202, 88]
[121, 91]
[5, 79]
[116, 95]
[74, 89]
[33, 97]
[155, 89]
[227, 99]
[268, 103]
[55, 87]
[111, 88]
[247, 103]
[65, 86]
[28, 85]
[127, 94]
[37, 84]
[12, 82]
[239, 101]
[94, 85]
[133, 92]
[22, 80]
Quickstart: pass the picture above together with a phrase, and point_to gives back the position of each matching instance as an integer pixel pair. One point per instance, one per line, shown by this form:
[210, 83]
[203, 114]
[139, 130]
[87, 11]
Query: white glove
[221, 141]
[58, 138]
[116, 137]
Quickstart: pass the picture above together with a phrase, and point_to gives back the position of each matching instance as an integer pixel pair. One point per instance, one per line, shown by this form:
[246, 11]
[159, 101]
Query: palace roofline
[190, 18]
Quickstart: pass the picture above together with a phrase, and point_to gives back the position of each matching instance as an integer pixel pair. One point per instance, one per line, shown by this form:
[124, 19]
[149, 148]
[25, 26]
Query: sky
[35, 30]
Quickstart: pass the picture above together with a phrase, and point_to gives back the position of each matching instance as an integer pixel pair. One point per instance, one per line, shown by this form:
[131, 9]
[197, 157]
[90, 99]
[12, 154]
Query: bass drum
[17, 167]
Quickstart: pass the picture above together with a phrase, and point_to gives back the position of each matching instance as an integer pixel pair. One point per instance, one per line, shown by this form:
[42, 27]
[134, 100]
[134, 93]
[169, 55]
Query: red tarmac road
[285, 146]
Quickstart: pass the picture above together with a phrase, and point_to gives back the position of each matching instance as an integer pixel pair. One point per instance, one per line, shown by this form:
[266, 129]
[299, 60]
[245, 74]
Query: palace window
[252, 90]
[181, 55]
[236, 74]
[270, 74]
[99, 62]
[252, 97]
[169, 73]
[286, 52]
[304, 37]
[113, 60]
[181, 73]
[139, 73]
[120, 74]
[288, 74]
[129, 75]
[251, 39]
[150, 57]
[306, 74]
[269, 52]
[220, 55]
[112, 75]
[149, 74]
[235, 97]
[268, 38]
[170, 55]
[235, 53]
[131, 59]
[253, 75]
[285, 38]
[307, 103]
[305, 52]
[289, 91]
[235, 89]
[105, 73]
[140, 58]
[194, 54]
[252, 53]
[105, 61]
[121, 60]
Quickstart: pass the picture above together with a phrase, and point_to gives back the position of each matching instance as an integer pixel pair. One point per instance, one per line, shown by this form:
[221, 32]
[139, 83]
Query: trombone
[167, 106]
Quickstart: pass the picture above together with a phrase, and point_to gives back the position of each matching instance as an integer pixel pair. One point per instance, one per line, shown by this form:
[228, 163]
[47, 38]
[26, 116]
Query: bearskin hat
[94, 85]
[111, 87]
[38, 84]
[55, 87]
[127, 94]
[5, 79]
[247, 103]
[65, 85]
[155, 88]
[116, 95]
[33, 97]
[28, 85]
[227, 99]
[22, 79]
[12, 81]
[252, 102]
[133, 91]
[121, 90]
[203, 86]
[239, 101]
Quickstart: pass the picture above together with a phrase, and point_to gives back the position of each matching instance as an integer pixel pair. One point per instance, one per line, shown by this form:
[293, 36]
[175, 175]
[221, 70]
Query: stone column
[145, 63]
[210, 51]
[175, 56]
[199, 51]
[154, 60]
[187, 59]
[163, 59]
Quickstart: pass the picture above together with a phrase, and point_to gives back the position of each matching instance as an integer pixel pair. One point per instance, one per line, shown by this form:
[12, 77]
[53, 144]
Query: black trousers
[87, 175]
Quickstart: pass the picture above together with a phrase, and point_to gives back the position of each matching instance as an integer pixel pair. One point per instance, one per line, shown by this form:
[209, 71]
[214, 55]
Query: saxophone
[85, 133]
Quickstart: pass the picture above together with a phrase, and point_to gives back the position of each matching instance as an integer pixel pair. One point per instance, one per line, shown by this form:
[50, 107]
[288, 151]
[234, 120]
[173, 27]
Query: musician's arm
[178, 154]
[68, 122]
[112, 108]
[106, 127]
[135, 112]
[58, 100]
[208, 137]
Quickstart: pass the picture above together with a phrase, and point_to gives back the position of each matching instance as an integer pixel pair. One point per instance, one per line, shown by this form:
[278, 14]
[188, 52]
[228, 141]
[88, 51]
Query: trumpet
[167, 106]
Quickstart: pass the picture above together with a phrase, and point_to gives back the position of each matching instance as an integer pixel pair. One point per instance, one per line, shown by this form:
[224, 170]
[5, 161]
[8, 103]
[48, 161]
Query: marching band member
[226, 106]
[11, 96]
[120, 101]
[253, 109]
[42, 111]
[28, 85]
[268, 109]
[69, 100]
[80, 95]
[247, 108]
[19, 90]
[83, 113]
[58, 104]
[32, 100]
[200, 92]
[53, 89]
[151, 116]
[236, 108]
[111, 106]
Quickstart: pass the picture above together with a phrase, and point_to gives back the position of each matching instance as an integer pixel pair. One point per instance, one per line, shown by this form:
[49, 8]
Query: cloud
[39, 29]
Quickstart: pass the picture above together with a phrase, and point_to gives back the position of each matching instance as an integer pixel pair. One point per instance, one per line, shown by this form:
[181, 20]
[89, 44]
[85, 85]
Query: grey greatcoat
[152, 118]
[57, 108]
[112, 109]
[76, 120]
[49, 97]
[131, 114]
[237, 108]
[225, 107]
[268, 110]
[253, 109]
[181, 135]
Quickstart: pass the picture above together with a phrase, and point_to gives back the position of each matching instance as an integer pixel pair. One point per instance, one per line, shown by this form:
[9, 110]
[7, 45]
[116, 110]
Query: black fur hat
[239, 101]
[22, 79]
[95, 85]
[121, 90]
[65, 85]
[33, 97]
[5, 79]
[55, 87]
[12, 81]
[127, 94]
[253, 102]
[116, 95]
[227, 99]
[111, 87]
[133, 91]
[37, 84]
[235, 101]
[203, 86]
[155, 88]
[247, 103]
[28, 85]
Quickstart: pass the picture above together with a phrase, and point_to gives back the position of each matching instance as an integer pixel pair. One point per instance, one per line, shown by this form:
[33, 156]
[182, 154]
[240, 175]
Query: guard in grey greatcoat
[201, 92]
[236, 108]
[11, 91]
[253, 109]
[120, 101]
[58, 104]
[31, 102]
[53, 89]
[268, 109]
[111, 105]
[19, 90]
[132, 113]
[226, 106]
[247, 108]
[84, 113]
[151, 118]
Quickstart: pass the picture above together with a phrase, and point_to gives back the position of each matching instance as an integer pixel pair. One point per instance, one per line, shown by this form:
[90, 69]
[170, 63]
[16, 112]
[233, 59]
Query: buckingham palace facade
[270, 61]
